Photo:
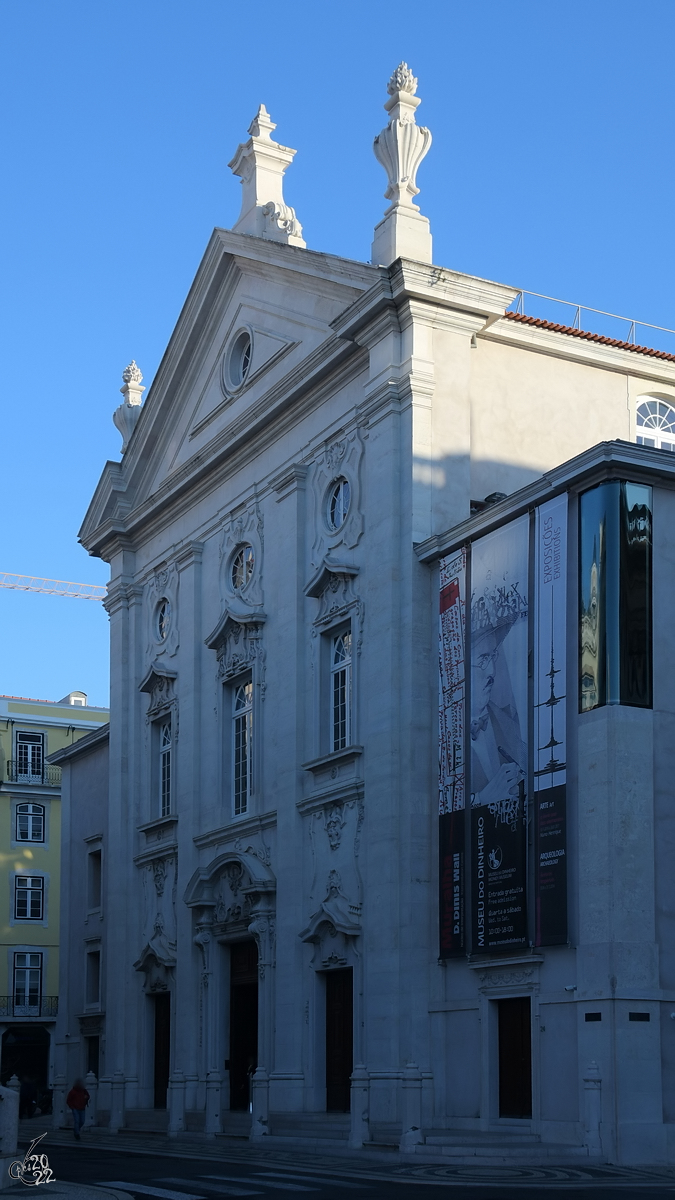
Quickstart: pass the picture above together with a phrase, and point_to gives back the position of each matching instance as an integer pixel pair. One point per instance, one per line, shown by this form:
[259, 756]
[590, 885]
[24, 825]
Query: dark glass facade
[615, 595]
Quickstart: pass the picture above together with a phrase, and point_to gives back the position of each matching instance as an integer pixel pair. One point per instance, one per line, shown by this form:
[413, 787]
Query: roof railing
[518, 306]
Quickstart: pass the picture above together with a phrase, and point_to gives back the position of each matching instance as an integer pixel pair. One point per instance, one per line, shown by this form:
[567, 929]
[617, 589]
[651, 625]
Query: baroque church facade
[270, 832]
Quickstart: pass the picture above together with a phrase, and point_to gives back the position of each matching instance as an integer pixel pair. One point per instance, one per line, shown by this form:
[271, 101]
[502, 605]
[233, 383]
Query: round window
[239, 360]
[338, 503]
[163, 619]
[242, 567]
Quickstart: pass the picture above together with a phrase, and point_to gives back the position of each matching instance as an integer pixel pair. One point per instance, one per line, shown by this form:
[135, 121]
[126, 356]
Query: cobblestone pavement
[155, 1167]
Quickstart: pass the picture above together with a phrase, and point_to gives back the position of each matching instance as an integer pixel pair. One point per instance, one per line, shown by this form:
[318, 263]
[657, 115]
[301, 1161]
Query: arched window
[656, 424]
[242, 730]
[165, 768]
[341, 675]
[30, 823]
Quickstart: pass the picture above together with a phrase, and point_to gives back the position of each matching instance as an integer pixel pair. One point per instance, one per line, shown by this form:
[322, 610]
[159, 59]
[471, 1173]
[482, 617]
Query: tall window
[94, 879]
[242, 731]
[30, 823]
[656, 424]
[29, 893]
[93, 978]
[29, 755]
[27, 984]
[341, 691]
[165, 768]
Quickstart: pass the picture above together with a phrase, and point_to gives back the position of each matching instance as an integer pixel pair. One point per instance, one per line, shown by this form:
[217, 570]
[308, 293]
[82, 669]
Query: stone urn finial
[126, 416]
[400, 148]
[261, 164]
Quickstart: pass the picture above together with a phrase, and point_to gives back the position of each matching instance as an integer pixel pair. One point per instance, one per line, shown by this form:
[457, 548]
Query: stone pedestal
[359, 1131]
[412, 1107]
[593, 1109]
[212, 1121]
[176, 1103]
[117, 1102]
[260, 1105]
[91, 1084]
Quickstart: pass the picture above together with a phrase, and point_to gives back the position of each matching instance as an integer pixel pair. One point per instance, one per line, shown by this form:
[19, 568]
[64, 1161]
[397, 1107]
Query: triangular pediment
[287, 298]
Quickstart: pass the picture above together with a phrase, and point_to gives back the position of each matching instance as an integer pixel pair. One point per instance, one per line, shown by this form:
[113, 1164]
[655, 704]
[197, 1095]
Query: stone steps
[324, 1127]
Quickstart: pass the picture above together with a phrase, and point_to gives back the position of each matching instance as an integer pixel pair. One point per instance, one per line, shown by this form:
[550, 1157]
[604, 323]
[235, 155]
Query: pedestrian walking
[77, 1101]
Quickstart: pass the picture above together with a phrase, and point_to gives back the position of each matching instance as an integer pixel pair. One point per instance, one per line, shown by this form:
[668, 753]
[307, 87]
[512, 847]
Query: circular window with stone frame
[237, 361]
[242, 567]
[163, 619]
[338, 500]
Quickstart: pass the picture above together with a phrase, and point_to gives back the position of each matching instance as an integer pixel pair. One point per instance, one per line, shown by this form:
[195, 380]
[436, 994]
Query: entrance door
[515, 1058]
[243, 1022]
[162, 1003]
[339, 1039]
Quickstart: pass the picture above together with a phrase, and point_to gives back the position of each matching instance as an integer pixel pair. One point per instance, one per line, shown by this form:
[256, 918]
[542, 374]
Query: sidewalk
[368, 1164]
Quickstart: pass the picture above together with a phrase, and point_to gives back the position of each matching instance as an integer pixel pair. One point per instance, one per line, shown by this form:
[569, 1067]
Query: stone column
[213, 1122]
[412, 1107]
[176, 1103]
[359, 1131]
[117, 1102]
[593, 1109]
[91, 1084]
[59, 1102]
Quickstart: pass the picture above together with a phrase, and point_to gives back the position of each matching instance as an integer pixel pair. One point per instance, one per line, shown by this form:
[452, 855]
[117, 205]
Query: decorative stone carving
[235, 896]
[334, 822]
[238, 644]
[159, 684]
[163, 587]
[244, 527]
[333, 587]
[159, 874]
[341, 458]
[126, 416]
[132, 375]
[400, 148]
[519, 975]
[158, 956]
[261, 163]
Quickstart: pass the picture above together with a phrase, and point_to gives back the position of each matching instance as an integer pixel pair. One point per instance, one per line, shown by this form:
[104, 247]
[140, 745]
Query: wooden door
[515, 1057]
[243, 1022]
[162, 1003]
[339, 1039]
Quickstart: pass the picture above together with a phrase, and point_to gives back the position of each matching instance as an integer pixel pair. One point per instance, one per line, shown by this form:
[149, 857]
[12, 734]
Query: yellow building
[30, 853]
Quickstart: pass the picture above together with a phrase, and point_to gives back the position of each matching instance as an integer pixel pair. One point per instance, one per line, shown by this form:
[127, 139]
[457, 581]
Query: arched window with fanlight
[655, 423]
[30, 823]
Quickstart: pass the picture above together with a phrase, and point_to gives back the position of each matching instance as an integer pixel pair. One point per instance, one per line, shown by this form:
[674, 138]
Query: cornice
[238, 829]
[561, 345]
[606, 460]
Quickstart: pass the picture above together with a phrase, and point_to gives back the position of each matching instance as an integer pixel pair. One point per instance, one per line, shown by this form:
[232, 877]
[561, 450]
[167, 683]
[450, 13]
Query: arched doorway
[25, 1053]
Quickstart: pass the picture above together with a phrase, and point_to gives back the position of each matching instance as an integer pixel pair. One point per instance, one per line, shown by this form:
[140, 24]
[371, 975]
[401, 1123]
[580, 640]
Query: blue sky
[551, 169]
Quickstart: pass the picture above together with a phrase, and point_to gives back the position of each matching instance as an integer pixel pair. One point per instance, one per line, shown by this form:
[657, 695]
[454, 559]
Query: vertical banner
[498, 736]
[451, 801]
[550, 687]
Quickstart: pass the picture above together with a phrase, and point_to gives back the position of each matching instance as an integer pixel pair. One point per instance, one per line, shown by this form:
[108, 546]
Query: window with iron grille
[30, 755]
[30, 823]
[165, 768]
[341, 690]
[29, 893]
[242, 739]
[28, 982]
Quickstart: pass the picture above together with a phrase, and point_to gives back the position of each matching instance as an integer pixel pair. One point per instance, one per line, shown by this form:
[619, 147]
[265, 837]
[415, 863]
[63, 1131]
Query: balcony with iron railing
[43, 1007]
[19, 772]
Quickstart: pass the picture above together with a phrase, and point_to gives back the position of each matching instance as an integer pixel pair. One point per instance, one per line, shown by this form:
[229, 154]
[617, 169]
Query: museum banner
[451, 801]
[498, 695]
[550, 779]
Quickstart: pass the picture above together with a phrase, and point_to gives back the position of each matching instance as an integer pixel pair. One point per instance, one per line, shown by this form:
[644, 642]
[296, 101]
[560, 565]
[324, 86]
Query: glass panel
[635, 603]
[615, 596]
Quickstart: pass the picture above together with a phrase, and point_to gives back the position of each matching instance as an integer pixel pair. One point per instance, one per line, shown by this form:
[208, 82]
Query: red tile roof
[588, 337]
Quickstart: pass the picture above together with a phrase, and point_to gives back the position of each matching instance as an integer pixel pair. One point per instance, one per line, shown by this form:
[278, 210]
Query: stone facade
[273, 632]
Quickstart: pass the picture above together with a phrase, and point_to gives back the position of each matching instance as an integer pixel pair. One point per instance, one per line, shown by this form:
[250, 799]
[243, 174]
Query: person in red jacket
[77, 1101]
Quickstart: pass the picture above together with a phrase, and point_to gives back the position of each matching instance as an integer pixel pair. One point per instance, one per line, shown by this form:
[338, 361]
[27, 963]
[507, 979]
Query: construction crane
[52, 587]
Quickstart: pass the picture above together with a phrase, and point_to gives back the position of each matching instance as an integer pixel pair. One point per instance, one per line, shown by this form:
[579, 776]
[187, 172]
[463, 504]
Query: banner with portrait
[550, 749]
[498, 728]
[451, 799]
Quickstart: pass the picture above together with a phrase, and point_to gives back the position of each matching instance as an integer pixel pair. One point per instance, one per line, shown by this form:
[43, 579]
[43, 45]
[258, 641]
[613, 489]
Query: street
[171, 1173]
